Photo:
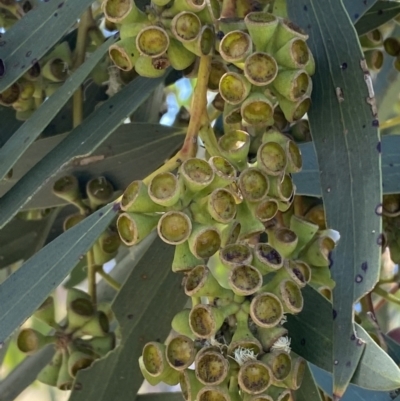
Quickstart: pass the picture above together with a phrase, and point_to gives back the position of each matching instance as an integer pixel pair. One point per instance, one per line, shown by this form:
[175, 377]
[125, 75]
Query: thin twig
[388, 296]
[383, 301]
[108, 279]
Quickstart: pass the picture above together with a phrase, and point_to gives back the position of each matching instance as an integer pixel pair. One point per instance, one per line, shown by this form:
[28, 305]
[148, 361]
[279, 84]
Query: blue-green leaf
[357, 8]
[308, 390]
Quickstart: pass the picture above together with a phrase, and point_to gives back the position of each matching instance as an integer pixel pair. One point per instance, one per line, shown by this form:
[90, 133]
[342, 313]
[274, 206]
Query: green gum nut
[179, 57]
[289, 294]
[23, 105]
[300, 131]
[30, 341]
[235, 47]
[106, 247]
[392, 46]
[130, 31]
[185, 5]
[152, 41]
[243, 338]
[271, 158]
[150, 67]
[234, 88]
[136, 199]
[101, 346]
[253, 184]
[234, 146]
[266, 310]
[232, 116]
[280, 364]
[294, 111]
[99, 191]
[250, 225]
[258, 397]
[78, 360]
[46, 313]
[280, 122]
[23, 115]
[221, 205]
[203, 44]
[218, 69]
[266, 210]
[269, 336]
[174, 228]
[186, 26]
[196, 174]
[124, 54]
[258, 110]
[287, 31]
[10, 95]
[310, 66]
[293, 84]
[201, 283]
[245, 280]
[180, 352]
[282, 187]
[260, 69]
[27, 89]
[153, 381]
[204, 241]
[211, 13]
[33, 73]
[155, 363]
[317, 254]
[254, 377]
[296, 270]
[295, 378]
[184, 260]
[305, 231]
[261, 26]
[279, 394]
[79, 309]
[55, 70]
[374, 59]
[211, 366]
[180, 323]
[229, 232]
[49, 374]
[371, 39]
[206, 320]
[135, 227]
[231, 23]
[97, 326]
[64, 380]
[283, 240]
[164, 189]
[67, 188]
[122, 11]
[293, 55]
[190, 385]
[214, 393]
[266, 258]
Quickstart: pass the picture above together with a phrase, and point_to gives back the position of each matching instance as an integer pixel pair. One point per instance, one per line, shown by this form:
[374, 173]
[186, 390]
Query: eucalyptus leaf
[9, 124]
[26, 289]
[356, 9]
[393, 348]
[348, 152]
[308, 390]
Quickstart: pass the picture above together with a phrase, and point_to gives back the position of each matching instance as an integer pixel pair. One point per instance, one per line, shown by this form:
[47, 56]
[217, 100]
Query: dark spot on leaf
[359, 278]
[356, 16]
[375, 123]
[390, 164]
[22, 67]
[309, 26]
[28, 54]
[353, 337]
[2, 68]
[130, 316]
[364, 126]
[334, 314]
[379, 147]
[56, 14]
[78, 386]
[2, 43]
[110, 106]
[364, 266]
[220, 35]
[34, 61]
[343, 66]
[305, 8]
[144, 276]
[117, 207]
[101, 214]
[61, 5]
[303, 341]
[348, 364]
[379, 240]
[380, 12]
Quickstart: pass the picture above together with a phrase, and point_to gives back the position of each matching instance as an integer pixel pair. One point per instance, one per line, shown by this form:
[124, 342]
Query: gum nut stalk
[206, 320]
[304, 229]
[174, 227]
[271, 158]
[180, 352]
[219, 271]
[268, 336]
[266, 258]
[374, 59]
[234, 87]
[151, 67]
[310, 66]
[184, 260]
[204, 241]
[152, 41]
[261, 26]
[279, 393]
[259, 397]
[253, 184]
[283, 240]
[99, 191]
[289, 294]
[186, 26]
[46, 313]
[287, 31]
[235, 47]
[106, 247]
[180, 323]
[164, 189]
[10, 95]
[230, 23]
[280, 364]
[30, 341]
[371, 39]
[211, 366]
[155, 362]
[196, 174]
[220, 393]
[266, 310]
[49, 374]
[293, 84]
[229, 232]
[221, 205]
[124, 54]
[78, 360]
[392, 46]
[317, 253]
[294, 111]
[258, 110]
[122, 11]
[245, 280]
[266, 210]
[135, 227]
[136, 199]
[224, 172]
[232, 117]
[295, 378]
[201, 283]
[234, 146]
[203, 44]
[254, 377]
[250, 225]
[282, 187]
[97, 326]
[190, 385]
[64, 380]
[218, 69]
[101, 346]
[293, 55]
[179, 57]
[260, 68]
[243, 338]
[55, 70]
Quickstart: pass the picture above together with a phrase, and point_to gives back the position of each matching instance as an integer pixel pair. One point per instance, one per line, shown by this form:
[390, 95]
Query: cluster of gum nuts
[245, 257]
[259, 61]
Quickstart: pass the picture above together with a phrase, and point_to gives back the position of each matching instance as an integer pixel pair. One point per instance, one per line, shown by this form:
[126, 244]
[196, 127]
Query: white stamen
[282, 344]
[242, 355]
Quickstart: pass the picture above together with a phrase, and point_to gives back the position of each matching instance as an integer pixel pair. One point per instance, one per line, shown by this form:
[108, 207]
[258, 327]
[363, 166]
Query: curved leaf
[308, 390]
[356, 9]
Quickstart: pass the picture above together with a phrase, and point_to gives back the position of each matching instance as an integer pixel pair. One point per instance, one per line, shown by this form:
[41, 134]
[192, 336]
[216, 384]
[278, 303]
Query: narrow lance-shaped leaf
[33, 127]
[25, 290]
[308, 390]
[356, 9]
[80, 142]
[348, 151]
